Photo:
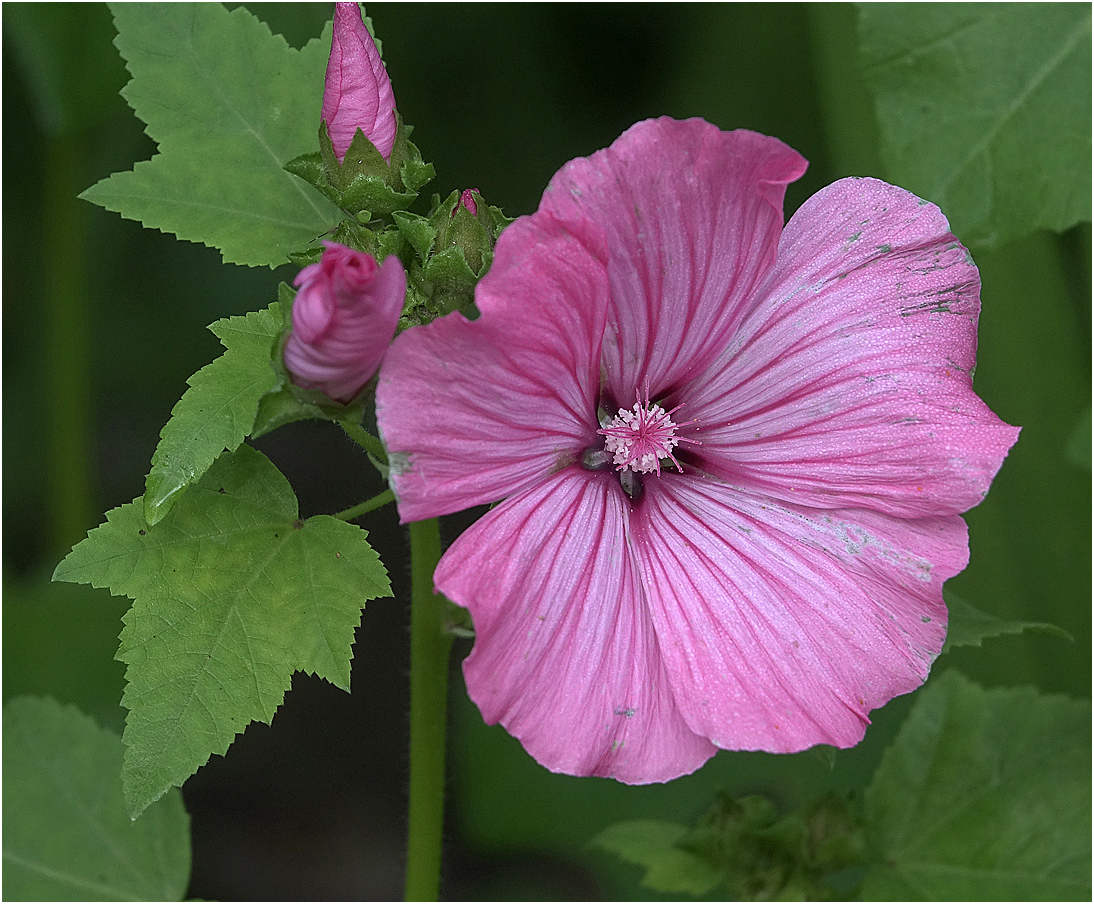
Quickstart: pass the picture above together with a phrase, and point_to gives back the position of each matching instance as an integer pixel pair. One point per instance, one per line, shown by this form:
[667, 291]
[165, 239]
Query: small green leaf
[969, 626]
[984, 109]
[67, 836]
[984, 795]
[652, 844]
[232, 594]
[218, 410]
[229, 103]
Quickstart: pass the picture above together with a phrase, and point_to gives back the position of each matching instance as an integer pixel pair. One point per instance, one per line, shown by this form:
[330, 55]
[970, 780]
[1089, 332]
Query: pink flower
[358, 91]
[343, 318]
[732, 456]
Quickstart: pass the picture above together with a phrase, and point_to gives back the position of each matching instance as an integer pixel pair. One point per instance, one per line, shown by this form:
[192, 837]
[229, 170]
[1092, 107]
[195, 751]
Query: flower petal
[693, 216]
[472, 411]
[565, 654]
[782, 627]
[850, 382]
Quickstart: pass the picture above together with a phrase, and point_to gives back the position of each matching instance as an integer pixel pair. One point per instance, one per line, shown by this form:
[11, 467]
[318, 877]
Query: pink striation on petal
[344, 316]
[358, 91]
[849, 383]
[472, 411]
[565, 654]
[782, 627]
[692, 216]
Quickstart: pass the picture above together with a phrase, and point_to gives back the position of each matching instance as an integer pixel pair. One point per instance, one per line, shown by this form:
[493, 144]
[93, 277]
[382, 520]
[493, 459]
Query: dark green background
[103, 322]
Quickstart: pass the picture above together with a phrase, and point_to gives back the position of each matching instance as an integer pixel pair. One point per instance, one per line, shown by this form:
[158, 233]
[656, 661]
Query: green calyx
[453, 250]
[363, 182]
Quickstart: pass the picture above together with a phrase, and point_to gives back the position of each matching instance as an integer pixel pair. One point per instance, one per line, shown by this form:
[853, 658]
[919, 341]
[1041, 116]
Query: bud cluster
[349, 302]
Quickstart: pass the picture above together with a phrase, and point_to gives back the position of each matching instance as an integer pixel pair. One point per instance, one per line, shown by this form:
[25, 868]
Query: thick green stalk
[430, 645]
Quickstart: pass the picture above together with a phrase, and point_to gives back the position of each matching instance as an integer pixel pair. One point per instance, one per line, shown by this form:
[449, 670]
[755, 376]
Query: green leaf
[969, 626]
[984, 795]
[67, 836]
[229, 103]
[984, 109]
[232, 594]
[652, 844]
[218, 410]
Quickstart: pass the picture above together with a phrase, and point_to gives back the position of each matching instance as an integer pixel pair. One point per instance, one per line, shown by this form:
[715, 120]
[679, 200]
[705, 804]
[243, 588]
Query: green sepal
[372, 193]
[354, 235]
[474, 233]
[452, 279]
[414, 171]
[417, 231]
[417, 310]
[363, 180]
[462, 251]
[306, 257]
[309, 167]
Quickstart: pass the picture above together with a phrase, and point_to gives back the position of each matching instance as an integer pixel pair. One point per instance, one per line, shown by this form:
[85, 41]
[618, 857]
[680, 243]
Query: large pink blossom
[357, 93]
[343, 318]
[732, 457]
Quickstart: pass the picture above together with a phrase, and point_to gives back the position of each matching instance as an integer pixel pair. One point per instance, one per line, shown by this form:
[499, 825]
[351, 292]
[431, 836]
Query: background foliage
[104, 321]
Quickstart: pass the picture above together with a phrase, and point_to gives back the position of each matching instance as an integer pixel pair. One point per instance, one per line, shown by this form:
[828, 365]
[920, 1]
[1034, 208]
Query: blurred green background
[104, 320]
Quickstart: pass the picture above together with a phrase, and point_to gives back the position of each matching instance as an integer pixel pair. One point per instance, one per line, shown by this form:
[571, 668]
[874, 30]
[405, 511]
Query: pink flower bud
[358, 91]
[467, 200]
[343, 319]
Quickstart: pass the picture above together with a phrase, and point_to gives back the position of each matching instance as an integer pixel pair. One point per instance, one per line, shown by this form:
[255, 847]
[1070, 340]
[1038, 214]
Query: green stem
[369, 505]
[429, 648]
[365, 440]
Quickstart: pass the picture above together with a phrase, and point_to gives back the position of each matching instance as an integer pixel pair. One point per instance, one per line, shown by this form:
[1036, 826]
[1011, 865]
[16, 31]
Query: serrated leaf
[229, 103]
[218, 410]
[969, 626]
[67, 836]
[232, 594]
[984, 109]
[984, 795]
[651, 844]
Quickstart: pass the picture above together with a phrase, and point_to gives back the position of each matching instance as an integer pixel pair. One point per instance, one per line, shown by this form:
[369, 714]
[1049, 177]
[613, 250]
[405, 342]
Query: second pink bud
[344, 317]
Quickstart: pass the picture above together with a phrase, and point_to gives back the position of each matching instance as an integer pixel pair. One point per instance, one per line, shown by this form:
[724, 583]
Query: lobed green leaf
[984, 795]
[218, 410]
[67, 836]
[232, 594]
[984, 109]
[229, 103]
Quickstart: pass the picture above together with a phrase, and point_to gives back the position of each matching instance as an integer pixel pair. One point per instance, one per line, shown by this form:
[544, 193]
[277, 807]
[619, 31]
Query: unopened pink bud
[467, 200]
[358, 91]
[343, 319]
